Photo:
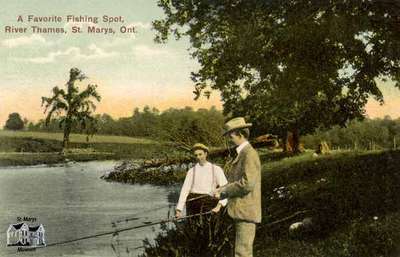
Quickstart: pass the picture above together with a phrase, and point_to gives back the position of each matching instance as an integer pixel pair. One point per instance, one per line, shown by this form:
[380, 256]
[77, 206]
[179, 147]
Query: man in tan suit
[244, 187]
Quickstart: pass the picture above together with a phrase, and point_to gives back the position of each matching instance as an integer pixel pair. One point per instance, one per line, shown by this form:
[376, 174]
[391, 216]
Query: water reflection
[72, 201]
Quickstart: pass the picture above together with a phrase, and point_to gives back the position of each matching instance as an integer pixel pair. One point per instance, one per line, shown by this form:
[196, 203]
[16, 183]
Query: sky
[129, 68]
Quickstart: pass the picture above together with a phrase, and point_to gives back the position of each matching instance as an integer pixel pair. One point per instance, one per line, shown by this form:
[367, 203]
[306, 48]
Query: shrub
[209, 235]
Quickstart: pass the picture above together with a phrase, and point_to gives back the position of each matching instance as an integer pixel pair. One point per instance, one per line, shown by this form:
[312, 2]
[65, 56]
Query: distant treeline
[370, 134]
[184, 126]
[187, 126]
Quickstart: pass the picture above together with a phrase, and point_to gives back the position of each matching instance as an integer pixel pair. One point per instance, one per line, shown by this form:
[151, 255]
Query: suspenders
[213, 177]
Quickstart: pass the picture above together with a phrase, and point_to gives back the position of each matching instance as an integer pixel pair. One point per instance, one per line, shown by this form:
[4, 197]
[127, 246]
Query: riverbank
[172, 171]
[347, 204]
[32, 148]
[28, 159]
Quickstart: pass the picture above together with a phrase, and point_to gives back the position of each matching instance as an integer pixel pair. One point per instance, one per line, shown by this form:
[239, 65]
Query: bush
[209, 236]
[34, 145]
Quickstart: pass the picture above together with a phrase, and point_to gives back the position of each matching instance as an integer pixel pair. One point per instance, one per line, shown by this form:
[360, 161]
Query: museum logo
[26, 236]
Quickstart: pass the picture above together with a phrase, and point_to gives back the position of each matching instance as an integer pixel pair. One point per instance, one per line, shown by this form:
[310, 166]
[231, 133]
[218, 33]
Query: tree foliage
[184, 126]
[289, 65]
[74, 107]
[187, 127]
[370, 134]
[14, 122]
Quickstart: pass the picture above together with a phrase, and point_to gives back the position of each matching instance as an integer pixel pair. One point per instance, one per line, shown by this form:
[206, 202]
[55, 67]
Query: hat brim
[247, 125]
[200, 148]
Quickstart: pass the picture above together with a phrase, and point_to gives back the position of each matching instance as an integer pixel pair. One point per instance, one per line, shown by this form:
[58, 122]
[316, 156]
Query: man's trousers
[245, 233]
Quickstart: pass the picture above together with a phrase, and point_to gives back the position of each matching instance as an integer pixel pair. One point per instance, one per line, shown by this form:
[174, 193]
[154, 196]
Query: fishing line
[165, 221]
[126, 229]
[134, 217]
[147, 211]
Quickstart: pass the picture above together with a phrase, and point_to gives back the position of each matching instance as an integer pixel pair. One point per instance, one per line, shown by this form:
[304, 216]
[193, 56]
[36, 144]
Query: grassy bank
[76, 138]
[30, 148]
[24, 159]
[352, 200]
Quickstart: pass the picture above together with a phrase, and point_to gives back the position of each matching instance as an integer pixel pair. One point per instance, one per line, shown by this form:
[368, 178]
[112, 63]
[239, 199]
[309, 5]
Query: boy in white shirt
[200, 184]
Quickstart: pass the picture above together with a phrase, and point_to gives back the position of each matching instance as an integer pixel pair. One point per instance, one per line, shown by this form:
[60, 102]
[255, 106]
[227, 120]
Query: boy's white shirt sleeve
[185, 190]
[221, 181]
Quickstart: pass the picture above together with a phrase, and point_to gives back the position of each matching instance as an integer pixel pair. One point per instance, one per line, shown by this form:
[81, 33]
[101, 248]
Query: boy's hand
[178, 214]
[217, 208]
[217, 193]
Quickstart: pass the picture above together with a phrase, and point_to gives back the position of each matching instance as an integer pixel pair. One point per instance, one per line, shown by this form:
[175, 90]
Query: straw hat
[236, 123]
[200, 146]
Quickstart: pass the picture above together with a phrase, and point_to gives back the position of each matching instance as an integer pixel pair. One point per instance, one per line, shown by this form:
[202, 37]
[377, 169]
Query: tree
[186, 127]
[289, 66]
[14, 122]
[74, 107]
[106, 124]
[145, 123]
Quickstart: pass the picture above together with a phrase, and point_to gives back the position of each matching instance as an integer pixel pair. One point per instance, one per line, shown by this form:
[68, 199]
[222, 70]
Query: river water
[71, 201]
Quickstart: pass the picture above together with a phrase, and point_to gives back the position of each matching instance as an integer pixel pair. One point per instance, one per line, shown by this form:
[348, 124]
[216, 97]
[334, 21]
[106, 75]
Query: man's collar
[205, 164]
[241, 146]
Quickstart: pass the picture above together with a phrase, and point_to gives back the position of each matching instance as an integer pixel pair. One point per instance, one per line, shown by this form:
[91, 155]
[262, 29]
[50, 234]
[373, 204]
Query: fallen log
[270, 141]
[169, 171]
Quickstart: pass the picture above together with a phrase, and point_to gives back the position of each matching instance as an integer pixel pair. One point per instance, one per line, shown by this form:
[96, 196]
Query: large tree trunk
[67, 132]
[291, 142]
[296, 141]
[288, 142]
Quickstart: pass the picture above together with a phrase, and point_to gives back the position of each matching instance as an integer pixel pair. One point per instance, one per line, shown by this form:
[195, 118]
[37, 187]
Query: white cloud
[73, 53]
[21, 41]
[119, 41]
[147, 52]
[97, 53]
[51, 57]
[140, 25]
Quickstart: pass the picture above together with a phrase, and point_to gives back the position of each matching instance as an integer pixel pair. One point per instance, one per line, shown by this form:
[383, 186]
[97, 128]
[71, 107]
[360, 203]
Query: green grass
[21, 159]
[356, 187]
[351, 197]
[364, 237]
[77, 138]
[43, 148]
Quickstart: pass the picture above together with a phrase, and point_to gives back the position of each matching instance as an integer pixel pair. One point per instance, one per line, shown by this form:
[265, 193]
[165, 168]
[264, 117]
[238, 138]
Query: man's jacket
[244, 189]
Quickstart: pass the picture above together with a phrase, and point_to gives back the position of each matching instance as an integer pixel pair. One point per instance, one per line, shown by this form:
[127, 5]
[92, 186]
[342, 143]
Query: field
[31, 148]
[76, 138]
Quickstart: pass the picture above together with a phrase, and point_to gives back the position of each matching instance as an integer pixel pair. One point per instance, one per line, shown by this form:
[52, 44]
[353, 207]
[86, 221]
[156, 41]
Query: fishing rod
[138, 213]
[127, 229]
[197, 198]
[161, 207]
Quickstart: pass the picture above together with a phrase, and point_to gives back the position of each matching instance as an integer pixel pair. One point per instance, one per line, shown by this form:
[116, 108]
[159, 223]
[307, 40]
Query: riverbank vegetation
[150, 125]
[370, 134]
[173, 171]
[349, 200]
[151, 134]
[31, 148]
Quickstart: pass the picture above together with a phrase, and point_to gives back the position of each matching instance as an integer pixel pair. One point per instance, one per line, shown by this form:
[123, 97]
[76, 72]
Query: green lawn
[77, 138]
